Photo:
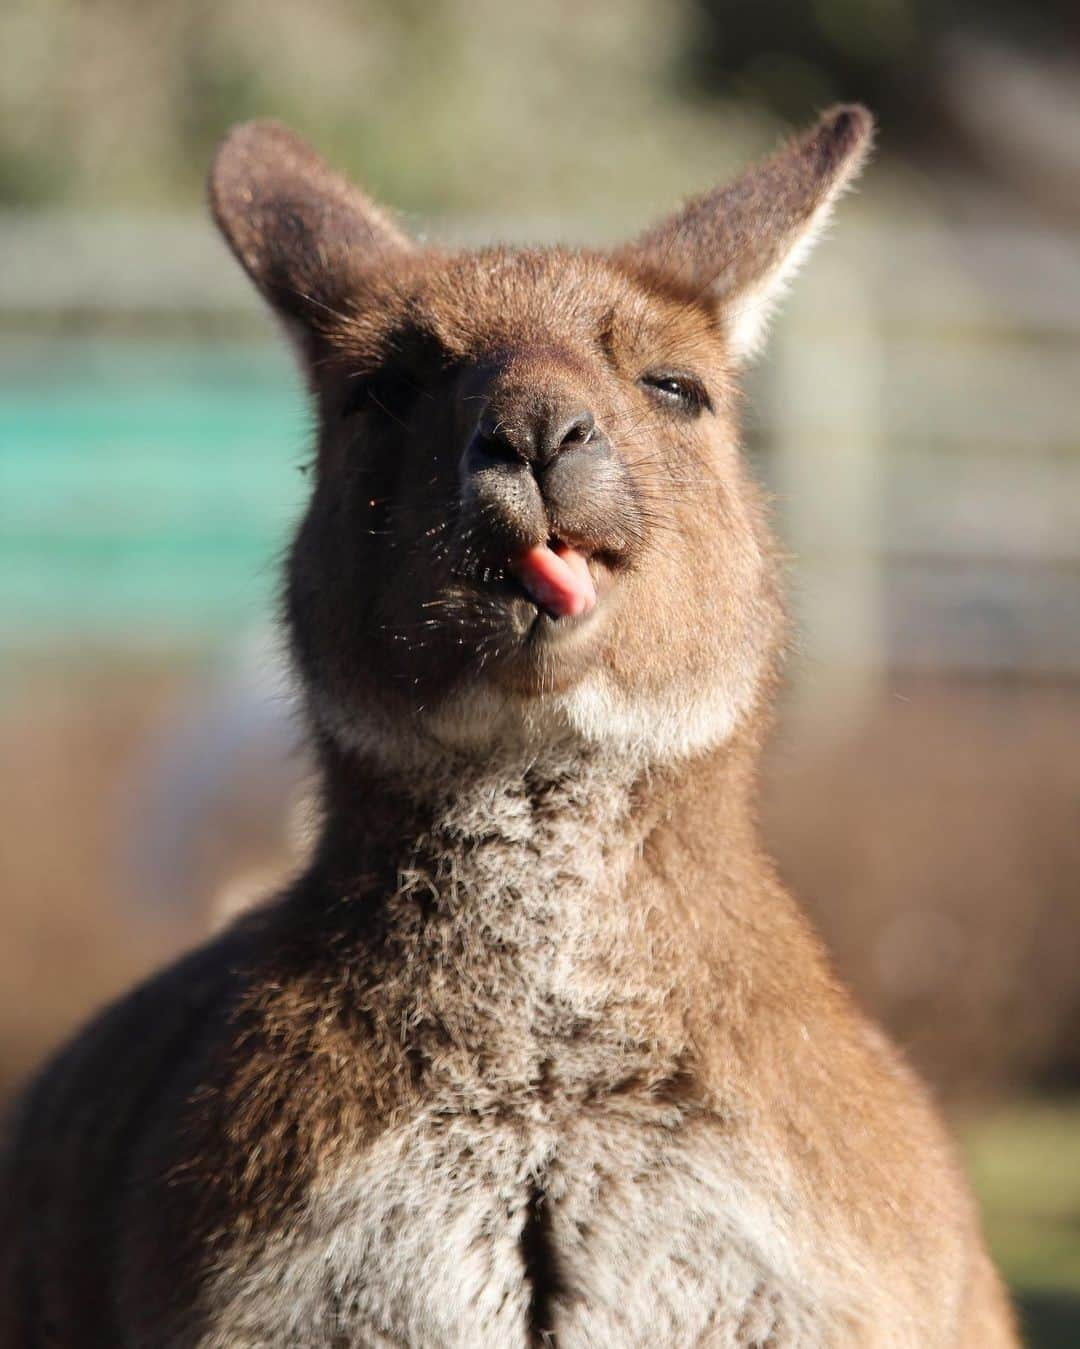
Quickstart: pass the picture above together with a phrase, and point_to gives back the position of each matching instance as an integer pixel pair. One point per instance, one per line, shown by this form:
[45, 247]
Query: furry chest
[459, 1232]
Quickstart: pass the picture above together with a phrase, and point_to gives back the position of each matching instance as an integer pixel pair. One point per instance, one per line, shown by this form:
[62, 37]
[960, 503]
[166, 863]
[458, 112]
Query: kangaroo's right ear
[740, 243]
[299, 229]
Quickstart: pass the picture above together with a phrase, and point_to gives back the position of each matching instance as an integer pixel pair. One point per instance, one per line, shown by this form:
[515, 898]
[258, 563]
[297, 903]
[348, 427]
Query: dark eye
[383, 394]
[680, 392]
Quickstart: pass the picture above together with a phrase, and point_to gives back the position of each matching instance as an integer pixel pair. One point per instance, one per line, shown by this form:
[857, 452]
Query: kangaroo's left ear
[742, 242]
[300, 230]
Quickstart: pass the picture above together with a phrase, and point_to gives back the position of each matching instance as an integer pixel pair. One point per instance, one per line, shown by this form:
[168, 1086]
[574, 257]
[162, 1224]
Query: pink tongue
[558, 579]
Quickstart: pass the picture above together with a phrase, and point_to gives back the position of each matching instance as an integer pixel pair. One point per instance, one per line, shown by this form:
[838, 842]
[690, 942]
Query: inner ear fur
[741, 242]
[298, 228]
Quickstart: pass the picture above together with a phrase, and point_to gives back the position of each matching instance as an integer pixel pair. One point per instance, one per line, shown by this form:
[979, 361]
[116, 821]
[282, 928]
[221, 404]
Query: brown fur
[538, 1048]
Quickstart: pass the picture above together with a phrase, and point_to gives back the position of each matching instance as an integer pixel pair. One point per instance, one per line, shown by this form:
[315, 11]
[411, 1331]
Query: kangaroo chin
[537, 1050]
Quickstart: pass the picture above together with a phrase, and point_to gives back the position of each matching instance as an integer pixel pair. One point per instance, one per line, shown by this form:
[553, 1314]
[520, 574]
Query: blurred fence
[923, 409]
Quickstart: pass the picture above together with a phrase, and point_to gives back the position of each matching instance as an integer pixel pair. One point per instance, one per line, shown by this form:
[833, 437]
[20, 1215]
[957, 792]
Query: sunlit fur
[537, 1049]
[676, 654]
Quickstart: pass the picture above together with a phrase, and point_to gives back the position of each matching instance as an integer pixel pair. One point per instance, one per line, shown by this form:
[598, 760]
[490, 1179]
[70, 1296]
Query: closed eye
[678, 391]
[384, 393]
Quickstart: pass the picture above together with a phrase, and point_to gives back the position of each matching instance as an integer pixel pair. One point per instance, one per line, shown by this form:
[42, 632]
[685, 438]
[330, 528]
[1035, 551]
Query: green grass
[1024, 1161]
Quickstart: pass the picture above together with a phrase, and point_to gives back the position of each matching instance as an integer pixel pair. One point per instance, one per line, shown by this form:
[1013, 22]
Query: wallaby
[537, 1049]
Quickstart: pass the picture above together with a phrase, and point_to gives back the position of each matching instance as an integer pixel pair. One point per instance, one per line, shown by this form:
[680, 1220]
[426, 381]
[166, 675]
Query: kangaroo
[537, 1049]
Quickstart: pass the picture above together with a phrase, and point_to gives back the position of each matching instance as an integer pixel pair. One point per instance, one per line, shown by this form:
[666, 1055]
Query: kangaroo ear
[742, 242]
[299, 229]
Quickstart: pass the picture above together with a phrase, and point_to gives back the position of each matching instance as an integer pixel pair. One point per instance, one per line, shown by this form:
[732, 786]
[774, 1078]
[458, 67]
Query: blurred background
[917, 417]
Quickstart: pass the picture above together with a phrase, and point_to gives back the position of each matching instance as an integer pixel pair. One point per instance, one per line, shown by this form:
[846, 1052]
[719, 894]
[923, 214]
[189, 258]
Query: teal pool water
[146, 487]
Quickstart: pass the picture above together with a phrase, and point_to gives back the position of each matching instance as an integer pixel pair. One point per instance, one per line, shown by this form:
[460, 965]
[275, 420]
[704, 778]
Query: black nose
[535, 439]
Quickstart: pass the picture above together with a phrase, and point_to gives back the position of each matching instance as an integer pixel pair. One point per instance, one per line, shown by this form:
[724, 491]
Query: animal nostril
[578, 430]
[494, 443]
[535, 440]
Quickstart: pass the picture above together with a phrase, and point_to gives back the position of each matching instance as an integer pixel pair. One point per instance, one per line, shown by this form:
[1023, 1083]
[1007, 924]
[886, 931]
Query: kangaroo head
[529, 514]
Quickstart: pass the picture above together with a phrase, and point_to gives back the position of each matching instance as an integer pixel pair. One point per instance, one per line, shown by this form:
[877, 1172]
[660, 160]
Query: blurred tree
[438, 105]
[895, 55]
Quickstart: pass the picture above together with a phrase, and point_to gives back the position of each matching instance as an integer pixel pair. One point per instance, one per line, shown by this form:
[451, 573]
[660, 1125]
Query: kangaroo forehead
[494, 302]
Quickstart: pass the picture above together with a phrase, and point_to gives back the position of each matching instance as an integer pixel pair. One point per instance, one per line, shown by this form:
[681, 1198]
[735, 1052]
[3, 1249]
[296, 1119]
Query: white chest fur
[652, 1235]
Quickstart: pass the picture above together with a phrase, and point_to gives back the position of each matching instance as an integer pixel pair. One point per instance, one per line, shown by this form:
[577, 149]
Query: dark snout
[545, 432]
[540, 466]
